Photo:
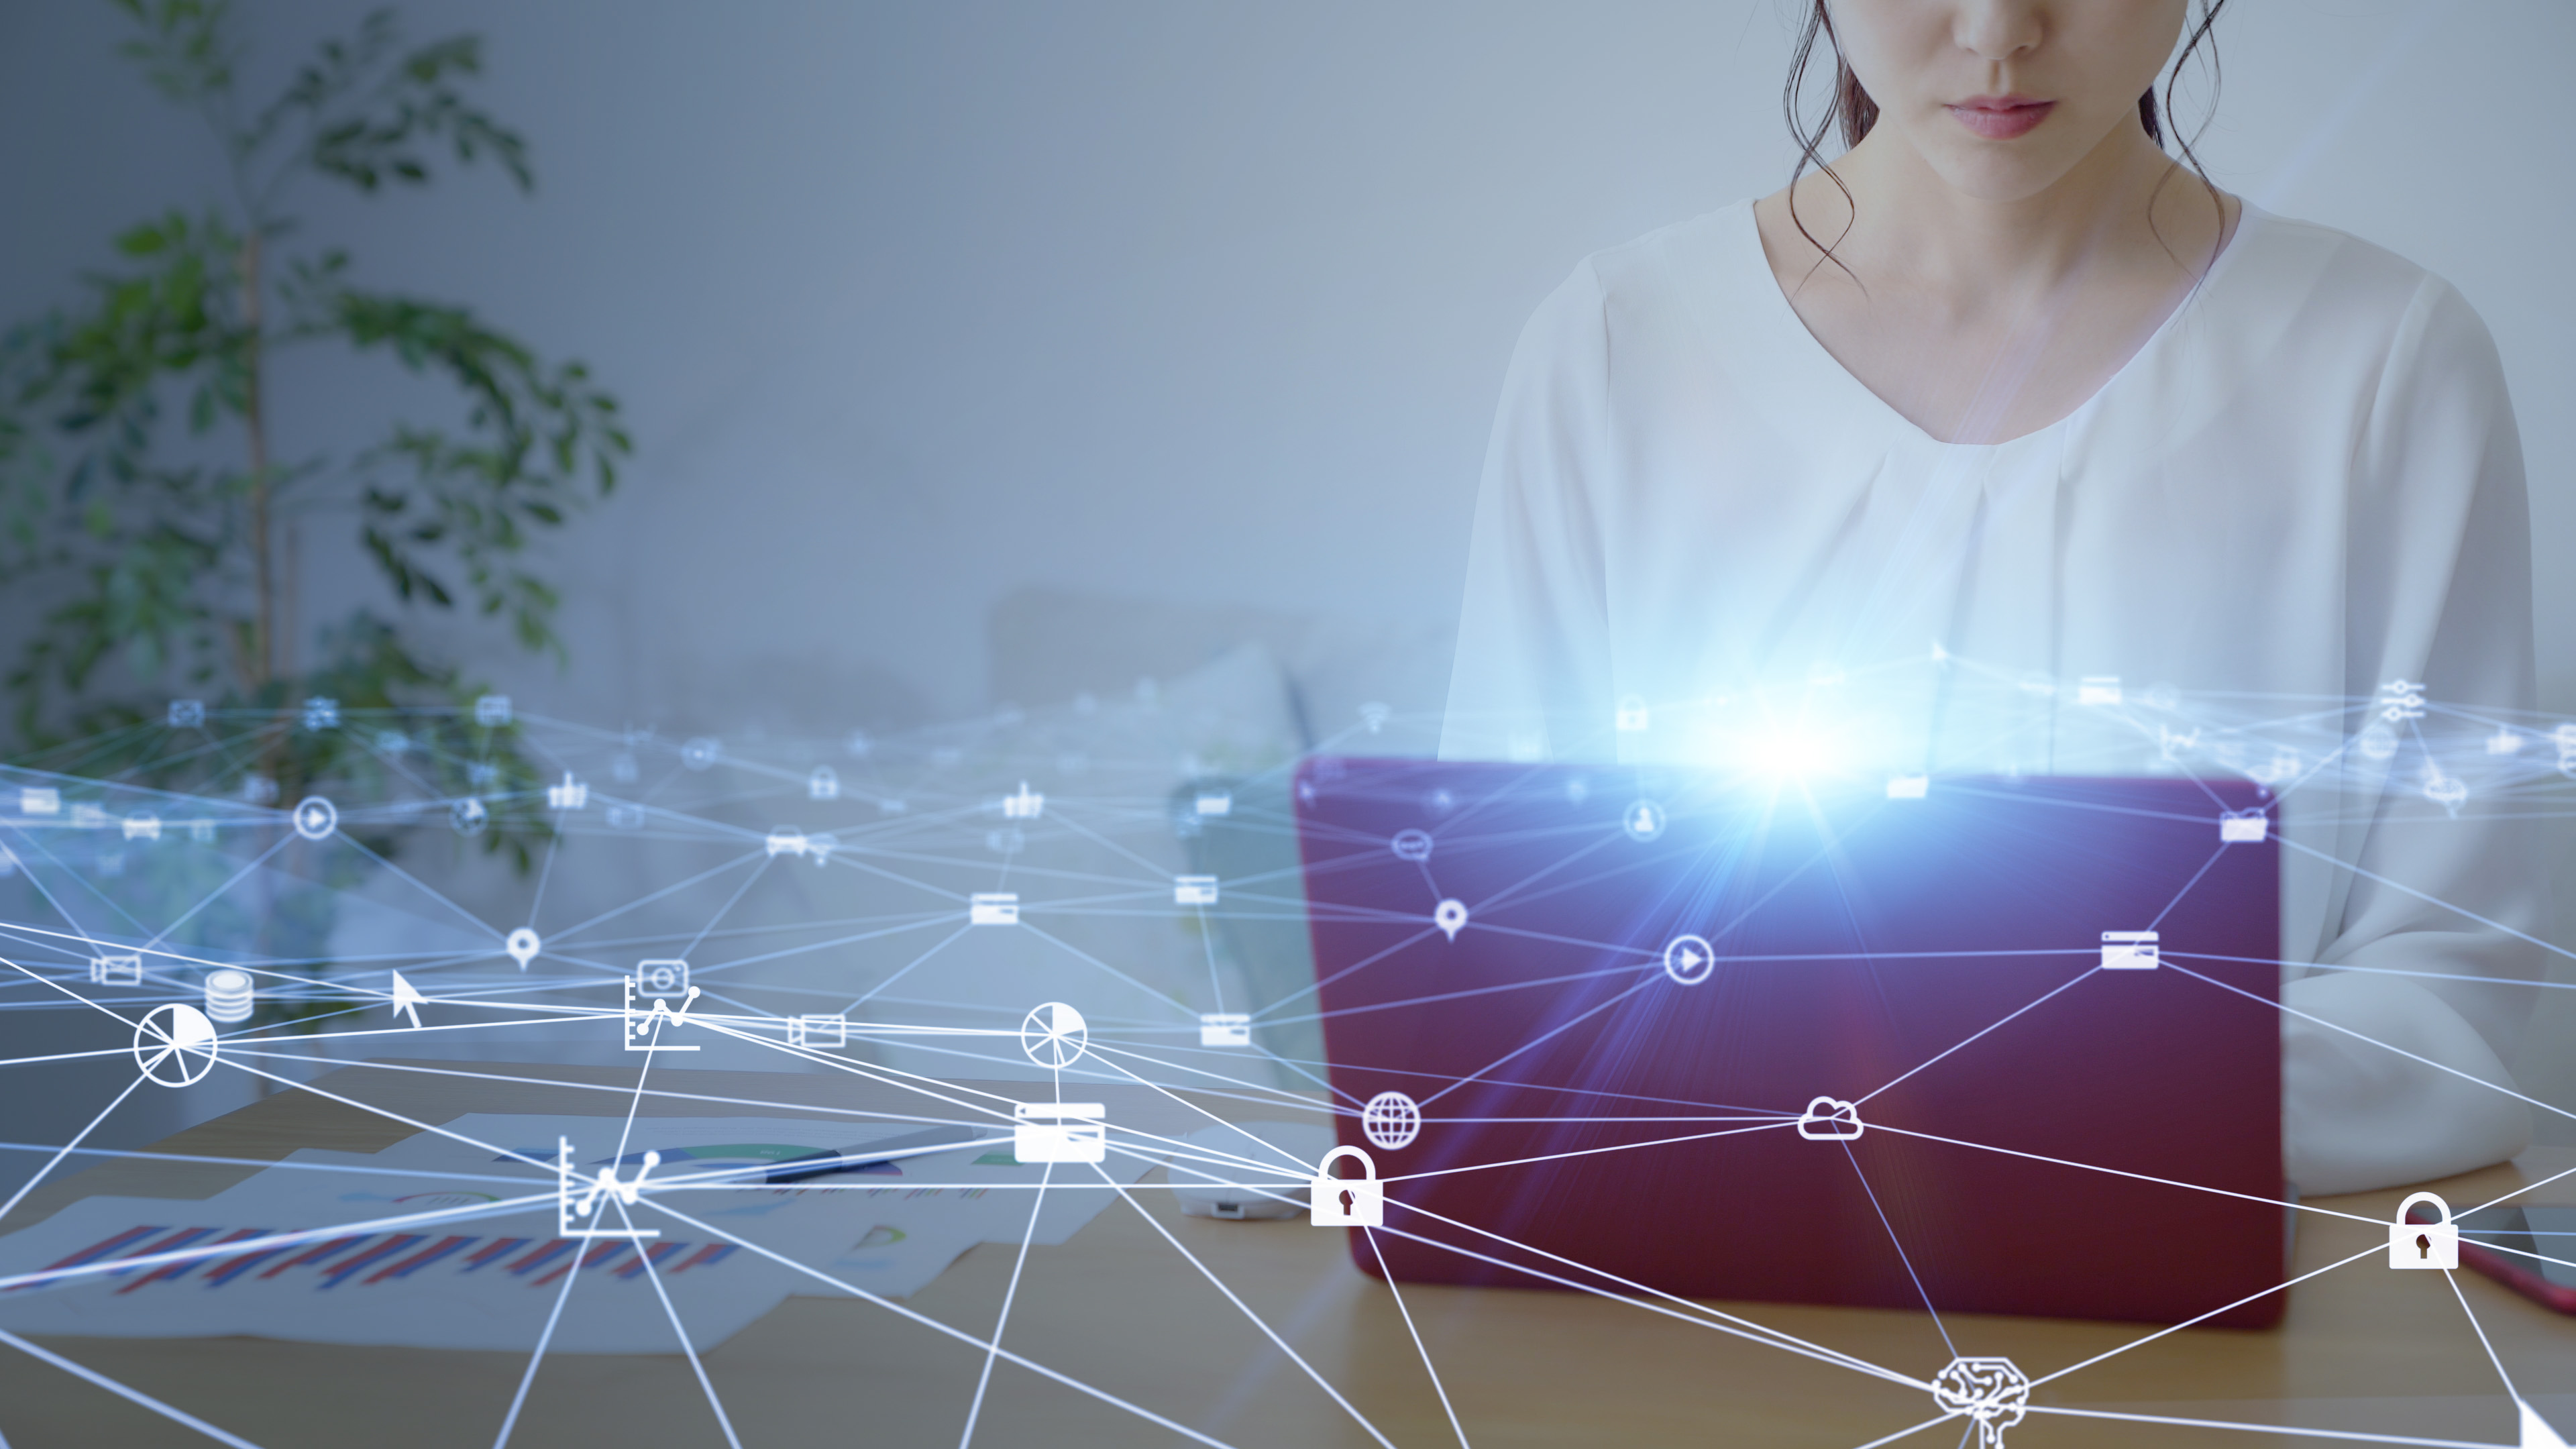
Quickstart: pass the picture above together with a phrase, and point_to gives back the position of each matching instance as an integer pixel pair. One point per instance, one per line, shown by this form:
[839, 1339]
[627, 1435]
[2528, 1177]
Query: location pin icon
[522, 946]
[1451, 915]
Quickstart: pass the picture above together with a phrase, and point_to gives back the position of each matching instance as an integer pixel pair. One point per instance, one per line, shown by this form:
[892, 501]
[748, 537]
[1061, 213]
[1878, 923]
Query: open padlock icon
[2423, 1245]
[1346, 1202]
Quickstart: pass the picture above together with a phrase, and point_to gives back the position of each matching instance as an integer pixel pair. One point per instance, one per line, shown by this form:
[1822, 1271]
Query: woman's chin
[1989, 173]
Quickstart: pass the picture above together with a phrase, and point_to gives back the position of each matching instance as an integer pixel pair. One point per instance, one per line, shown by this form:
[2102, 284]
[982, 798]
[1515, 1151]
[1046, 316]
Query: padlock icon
[2424, 1245]
[1346, 1202]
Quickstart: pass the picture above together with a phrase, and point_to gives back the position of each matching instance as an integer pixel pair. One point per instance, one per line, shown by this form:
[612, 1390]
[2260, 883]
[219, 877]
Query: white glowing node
[1449, 917]
[316, 818]
[1689, 959]
[1783, 754]
[228, 996]
[523, 946]
[1392, 1120]
[175, 1044]
[1992, 1391]
[1054, 1036]
[1831, 1119]
[1643, 820]
[1411, 845]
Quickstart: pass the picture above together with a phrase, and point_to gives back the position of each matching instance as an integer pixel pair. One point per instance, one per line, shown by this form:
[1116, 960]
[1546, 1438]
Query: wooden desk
[2363, 1348]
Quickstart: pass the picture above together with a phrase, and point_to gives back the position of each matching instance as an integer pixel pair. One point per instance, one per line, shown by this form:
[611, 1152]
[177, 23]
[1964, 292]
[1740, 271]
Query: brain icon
[1992, 1391]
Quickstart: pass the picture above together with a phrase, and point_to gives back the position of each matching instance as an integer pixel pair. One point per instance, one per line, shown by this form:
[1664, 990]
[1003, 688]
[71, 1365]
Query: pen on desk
[816, 1164]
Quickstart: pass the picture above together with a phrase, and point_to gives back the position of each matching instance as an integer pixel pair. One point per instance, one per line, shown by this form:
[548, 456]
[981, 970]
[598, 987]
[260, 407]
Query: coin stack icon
[228, 995]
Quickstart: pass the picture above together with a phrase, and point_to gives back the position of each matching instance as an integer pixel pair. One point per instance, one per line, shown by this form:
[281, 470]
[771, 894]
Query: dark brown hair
[1853, 112]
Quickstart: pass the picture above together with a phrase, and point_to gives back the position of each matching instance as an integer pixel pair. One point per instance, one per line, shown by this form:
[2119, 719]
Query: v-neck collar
[1798, 347]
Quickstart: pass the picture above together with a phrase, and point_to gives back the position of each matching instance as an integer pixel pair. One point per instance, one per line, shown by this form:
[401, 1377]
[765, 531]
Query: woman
[2008, 380]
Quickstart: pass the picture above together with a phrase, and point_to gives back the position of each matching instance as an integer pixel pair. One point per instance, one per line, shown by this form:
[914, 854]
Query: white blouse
[2306, 485]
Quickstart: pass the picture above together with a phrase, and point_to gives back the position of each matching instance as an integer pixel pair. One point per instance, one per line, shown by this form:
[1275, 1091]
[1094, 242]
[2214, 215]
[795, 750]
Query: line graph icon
[582, 1206]
[649, 1007]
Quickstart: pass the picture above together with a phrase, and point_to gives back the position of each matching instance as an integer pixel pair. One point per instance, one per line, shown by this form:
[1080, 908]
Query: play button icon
[1689, 959]
[316, 818]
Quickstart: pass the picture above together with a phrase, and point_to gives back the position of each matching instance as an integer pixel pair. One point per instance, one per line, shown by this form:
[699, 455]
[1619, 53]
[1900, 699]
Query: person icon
[1643, 820]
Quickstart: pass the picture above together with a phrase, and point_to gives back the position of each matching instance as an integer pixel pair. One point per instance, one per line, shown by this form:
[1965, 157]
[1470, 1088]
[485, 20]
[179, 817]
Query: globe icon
[1391, 1120]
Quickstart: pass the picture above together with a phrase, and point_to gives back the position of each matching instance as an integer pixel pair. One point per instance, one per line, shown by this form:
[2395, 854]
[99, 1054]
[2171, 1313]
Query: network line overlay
[1094, 899]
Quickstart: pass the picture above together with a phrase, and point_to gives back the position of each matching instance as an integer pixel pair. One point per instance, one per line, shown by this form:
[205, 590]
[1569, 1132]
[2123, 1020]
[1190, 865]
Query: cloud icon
[1829, 1119]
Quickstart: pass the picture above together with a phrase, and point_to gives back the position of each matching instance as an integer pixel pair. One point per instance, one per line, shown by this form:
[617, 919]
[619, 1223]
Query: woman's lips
[2001, 118]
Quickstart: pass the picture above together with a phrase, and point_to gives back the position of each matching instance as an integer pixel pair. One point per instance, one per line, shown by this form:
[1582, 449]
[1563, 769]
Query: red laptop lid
[1966, 1041]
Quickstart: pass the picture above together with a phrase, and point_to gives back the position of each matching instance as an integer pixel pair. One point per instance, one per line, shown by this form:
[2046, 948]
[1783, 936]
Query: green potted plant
[152, 519]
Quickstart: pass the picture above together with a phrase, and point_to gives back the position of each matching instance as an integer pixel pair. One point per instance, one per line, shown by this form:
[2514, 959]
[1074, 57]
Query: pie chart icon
[175, 1044]
[1054, 1036]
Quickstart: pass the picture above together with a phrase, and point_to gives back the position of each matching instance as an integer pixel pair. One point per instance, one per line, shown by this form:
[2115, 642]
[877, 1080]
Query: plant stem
[260, 667]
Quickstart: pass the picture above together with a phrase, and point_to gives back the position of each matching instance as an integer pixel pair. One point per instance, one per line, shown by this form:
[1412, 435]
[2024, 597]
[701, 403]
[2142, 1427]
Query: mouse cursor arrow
[407, 999]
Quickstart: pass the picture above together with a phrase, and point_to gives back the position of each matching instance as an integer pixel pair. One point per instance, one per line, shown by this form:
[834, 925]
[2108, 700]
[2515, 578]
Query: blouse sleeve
[2394, 1066]
[1532, 677]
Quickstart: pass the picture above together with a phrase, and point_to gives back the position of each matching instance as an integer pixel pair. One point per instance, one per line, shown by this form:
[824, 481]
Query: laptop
[1981, 1045]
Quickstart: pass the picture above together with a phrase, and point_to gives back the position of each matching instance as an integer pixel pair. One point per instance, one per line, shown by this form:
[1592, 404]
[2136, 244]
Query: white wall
[915, 304]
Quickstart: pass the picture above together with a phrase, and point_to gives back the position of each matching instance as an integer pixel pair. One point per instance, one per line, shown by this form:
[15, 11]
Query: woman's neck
[2125, 205]
[1981, 318]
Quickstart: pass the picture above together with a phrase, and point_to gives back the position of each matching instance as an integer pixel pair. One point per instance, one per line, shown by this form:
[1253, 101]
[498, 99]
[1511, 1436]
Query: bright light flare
[1789, 754]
